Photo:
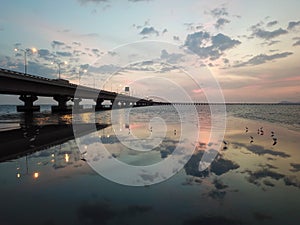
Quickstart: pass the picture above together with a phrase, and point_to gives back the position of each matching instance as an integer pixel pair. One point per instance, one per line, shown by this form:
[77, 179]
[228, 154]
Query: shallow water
[53, 183]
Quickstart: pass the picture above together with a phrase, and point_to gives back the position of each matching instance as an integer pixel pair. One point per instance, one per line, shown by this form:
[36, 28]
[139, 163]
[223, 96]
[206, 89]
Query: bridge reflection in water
[30, 138]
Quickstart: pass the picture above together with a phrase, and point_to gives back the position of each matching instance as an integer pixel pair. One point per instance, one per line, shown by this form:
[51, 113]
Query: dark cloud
[149, 31]
[64, 54]
[257, 26]
[196, 42]
[261, 59]
[272, 42]
[226, 61]
[272, 23]
[256, 176]
[96, 52]
[268, 183]
[223, 42]
[297, 43]
[219, 184]
[171, 58]
[45, 54]
[219, 166]
[176, 38]
[293, 24]
[218, 12]
[291, 181]
[112, 53]
[217, 194]
[221, 22]
[264, 34]
[76, 43]
[57, 44]
[295, 167]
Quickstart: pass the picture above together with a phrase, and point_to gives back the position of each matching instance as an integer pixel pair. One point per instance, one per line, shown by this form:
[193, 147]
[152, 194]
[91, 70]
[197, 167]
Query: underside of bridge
[62, 106]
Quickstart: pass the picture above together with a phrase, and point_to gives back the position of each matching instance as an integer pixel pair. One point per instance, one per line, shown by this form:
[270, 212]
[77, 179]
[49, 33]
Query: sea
[151, 165]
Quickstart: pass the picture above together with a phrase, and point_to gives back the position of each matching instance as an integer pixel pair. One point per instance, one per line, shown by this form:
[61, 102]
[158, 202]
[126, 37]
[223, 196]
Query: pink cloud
[197, 91]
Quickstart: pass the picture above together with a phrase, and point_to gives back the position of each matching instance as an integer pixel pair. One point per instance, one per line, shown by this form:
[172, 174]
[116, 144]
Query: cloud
[293, 24]
[171, 58]
[64, 54]
[76, 43]
[176, 38]
[218, 12]
[90, 35]
[193, 26]
[221, 22]
[296, 167]
[263, 58]
[219, 166]
[57, 44]
[196, 42]
[291, 181]
[217, 194]
[297, 43]
[272, 23]
[259, 150]
[264, 34]
[149, 31]
[45, 54]
[223, 42]
[109, 68]
[256, 176]
[96, 52]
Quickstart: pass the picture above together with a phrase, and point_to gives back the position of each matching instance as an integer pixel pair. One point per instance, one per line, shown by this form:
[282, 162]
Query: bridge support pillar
[112, 103]
[76, 103]
[62, 104]
[28, 104]
[99, 105]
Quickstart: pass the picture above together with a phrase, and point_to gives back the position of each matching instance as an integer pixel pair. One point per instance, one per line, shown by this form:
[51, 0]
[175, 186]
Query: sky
[250, 48]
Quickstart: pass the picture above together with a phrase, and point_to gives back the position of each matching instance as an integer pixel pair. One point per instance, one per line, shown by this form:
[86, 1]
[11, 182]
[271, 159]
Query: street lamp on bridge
[59, 64]
[81, 72]
[26, 51]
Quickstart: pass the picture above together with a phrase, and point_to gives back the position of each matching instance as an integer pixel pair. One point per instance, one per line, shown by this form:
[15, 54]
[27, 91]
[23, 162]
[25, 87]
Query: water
[45, 177]
[287, 115]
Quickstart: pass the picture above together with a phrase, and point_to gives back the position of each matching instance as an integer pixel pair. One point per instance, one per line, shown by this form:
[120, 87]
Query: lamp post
[27, 50]
[79, 73]
[59, 64]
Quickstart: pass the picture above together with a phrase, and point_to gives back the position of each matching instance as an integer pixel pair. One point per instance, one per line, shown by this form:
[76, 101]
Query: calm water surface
[45, 179]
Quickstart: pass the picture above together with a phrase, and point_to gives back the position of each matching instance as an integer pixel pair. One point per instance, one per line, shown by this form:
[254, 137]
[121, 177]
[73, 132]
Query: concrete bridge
[29, 87]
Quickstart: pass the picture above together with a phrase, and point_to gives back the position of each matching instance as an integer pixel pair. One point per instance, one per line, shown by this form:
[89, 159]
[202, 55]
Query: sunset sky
[252, 47]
